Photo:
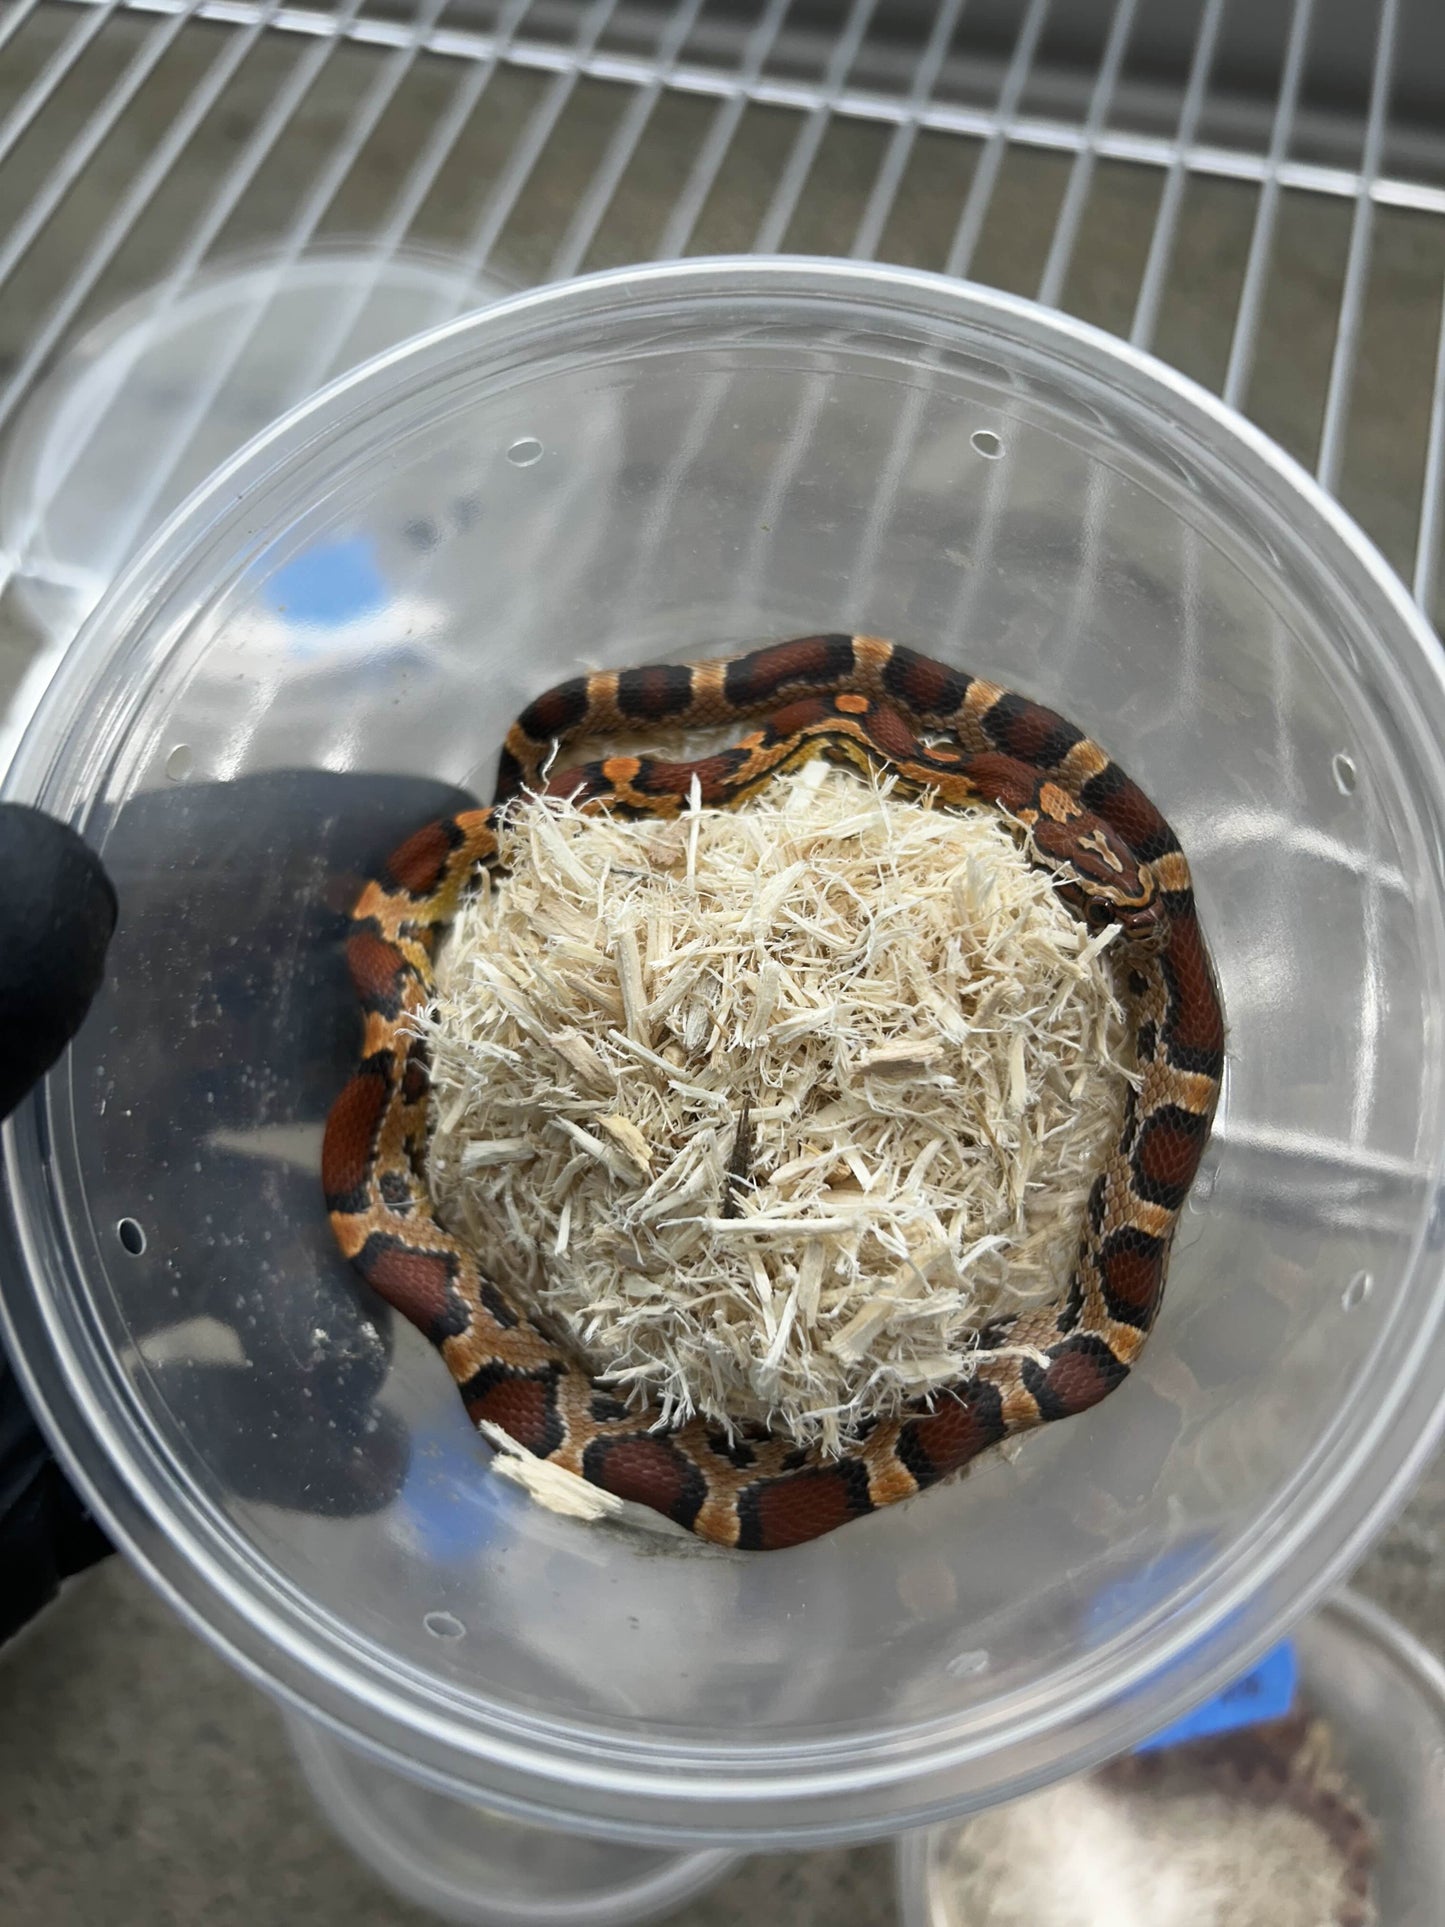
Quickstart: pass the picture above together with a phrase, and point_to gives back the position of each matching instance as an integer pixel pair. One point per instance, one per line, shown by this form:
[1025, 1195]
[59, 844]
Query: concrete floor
[141, 1780]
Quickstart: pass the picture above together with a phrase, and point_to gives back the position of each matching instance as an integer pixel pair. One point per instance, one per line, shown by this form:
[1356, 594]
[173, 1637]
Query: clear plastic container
[478, 1869]
[142, 406]
[324, 648]
[1383, 1698]
[146, 403]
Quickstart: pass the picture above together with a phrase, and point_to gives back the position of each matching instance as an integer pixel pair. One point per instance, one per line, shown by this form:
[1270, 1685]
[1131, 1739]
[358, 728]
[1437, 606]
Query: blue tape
[1266, 1692]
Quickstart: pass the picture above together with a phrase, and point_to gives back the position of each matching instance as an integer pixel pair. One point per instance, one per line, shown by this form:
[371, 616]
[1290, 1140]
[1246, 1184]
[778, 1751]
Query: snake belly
[936, 730]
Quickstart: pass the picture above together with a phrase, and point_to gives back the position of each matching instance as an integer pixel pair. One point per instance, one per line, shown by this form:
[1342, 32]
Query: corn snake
[933, 729]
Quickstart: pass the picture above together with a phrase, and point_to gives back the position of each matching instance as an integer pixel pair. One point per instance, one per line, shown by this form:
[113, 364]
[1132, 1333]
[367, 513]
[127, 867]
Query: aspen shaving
[573, 1498]
[773, 1108]
[1083, 1856]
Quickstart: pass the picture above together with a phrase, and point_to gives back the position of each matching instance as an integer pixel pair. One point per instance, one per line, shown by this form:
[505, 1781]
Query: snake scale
[874, 705]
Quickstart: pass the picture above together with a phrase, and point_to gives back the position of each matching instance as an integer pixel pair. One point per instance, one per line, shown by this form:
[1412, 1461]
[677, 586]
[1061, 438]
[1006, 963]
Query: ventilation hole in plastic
[965, 1665]
[1357, 1291]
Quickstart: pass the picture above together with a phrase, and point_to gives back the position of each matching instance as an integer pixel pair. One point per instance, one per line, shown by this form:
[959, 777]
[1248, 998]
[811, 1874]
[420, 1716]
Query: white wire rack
[1279, 236]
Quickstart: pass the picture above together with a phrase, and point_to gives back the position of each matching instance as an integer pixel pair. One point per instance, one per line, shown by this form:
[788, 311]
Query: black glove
[226, 1013]
[57, 913]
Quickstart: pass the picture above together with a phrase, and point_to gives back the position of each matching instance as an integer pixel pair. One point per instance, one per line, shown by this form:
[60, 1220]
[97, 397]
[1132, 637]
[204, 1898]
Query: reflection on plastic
[331, 584]
[255, 1335]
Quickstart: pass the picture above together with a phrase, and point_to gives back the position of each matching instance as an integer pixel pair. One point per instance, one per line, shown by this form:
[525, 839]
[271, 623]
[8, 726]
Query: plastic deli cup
[322, 650]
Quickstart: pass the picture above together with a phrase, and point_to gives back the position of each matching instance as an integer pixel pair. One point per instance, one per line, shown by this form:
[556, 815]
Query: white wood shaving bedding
[574, 1498]
[925, 1041]
[1083, 1855]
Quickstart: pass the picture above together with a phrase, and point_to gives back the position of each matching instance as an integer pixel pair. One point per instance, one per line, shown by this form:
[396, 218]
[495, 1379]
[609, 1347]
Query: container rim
[586, 1777]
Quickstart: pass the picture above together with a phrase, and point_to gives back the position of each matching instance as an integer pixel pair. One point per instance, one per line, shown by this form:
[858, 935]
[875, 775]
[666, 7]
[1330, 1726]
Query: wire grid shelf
[1284, 248]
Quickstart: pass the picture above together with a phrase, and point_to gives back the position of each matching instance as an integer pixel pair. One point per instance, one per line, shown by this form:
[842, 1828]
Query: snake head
[1098, 875]
[1144, 923]
[1139, 914]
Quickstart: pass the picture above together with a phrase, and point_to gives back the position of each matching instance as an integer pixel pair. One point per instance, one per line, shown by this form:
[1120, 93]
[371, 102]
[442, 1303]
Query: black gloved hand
[57, 913]
[224, 1030]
